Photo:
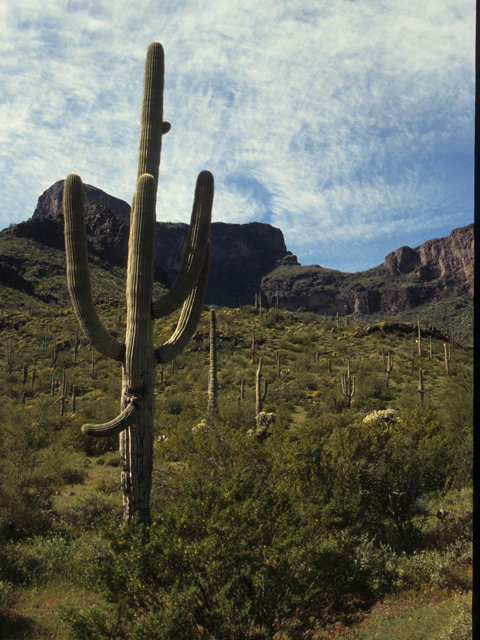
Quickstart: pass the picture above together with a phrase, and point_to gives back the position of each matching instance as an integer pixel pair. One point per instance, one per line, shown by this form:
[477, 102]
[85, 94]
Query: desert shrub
[274, 317]
[103, 409]
[90, 446]
[371, 385]
[86, 555]
[174, 402]
[37, 559]
[460, 627]
[5, 601]
[29, 474]
[451, 521]
[391, 466]
[110, 459]
[107, 484]
[239, 414]
[34, 559]
[92, 510]
[255, 567]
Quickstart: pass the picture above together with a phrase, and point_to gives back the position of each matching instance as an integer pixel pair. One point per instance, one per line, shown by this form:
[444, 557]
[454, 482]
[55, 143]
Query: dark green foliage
[392, 466]
[33, 465]
[91, 511]
[237, 560]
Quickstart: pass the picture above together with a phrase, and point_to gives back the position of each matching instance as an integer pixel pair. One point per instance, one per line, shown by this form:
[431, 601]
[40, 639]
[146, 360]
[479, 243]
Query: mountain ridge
[252, 257]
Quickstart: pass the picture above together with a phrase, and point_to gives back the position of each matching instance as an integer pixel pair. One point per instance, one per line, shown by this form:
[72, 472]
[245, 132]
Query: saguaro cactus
[387, 366]
[10, 354]
[419, 339]
[259, 396]
[212, 380]
[348, 385]
[137, 353]
[447, 359]
[420, 389]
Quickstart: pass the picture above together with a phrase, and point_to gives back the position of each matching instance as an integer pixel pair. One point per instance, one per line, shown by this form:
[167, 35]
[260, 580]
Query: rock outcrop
[409, 278]
[50, 203]
[450, 260]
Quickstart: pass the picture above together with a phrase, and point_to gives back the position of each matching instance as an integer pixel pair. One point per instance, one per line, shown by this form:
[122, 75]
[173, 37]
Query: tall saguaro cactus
[137, 353]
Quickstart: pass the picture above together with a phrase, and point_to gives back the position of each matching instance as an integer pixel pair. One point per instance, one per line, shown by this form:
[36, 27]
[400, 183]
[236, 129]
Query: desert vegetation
[351, 517]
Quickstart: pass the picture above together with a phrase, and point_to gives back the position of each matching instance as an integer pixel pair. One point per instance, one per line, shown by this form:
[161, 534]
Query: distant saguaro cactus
[10, 354]
[420, 389]
[137, 354]
[348, 385]
[387, 366]
[259, 396]
[212, 380]
[447, 359]
[419, 338]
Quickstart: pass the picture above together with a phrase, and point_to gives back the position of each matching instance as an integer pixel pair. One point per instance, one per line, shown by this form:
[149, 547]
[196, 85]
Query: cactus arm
[78, 275]
[189, 317]
[194, 255]
[115, 426]
[141, 258]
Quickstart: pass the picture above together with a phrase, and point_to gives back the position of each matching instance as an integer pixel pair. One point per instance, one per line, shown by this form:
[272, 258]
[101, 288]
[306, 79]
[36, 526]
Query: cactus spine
[212, 380]
[137, 354]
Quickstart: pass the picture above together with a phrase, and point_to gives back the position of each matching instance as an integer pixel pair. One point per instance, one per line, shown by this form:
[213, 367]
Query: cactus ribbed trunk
[138, 381]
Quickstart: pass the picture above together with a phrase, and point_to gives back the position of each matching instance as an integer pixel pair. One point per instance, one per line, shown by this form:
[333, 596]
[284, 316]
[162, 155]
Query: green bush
[390, 466]
[30, 472]
[235, 560]
[89, 511]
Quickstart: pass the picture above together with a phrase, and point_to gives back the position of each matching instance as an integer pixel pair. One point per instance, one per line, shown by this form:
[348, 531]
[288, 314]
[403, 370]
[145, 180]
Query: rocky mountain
[436, 278]
[436, 271]
[241, 253]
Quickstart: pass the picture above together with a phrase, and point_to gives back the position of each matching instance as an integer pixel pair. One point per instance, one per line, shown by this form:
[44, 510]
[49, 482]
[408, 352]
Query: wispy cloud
[348, 124]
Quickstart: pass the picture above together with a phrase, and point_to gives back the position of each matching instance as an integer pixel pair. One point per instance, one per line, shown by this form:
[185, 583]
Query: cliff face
[241, 255]
[449, 260]
[409, 278]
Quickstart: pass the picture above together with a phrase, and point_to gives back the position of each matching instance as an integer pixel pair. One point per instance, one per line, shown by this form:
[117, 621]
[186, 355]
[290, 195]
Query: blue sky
[348, 124]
